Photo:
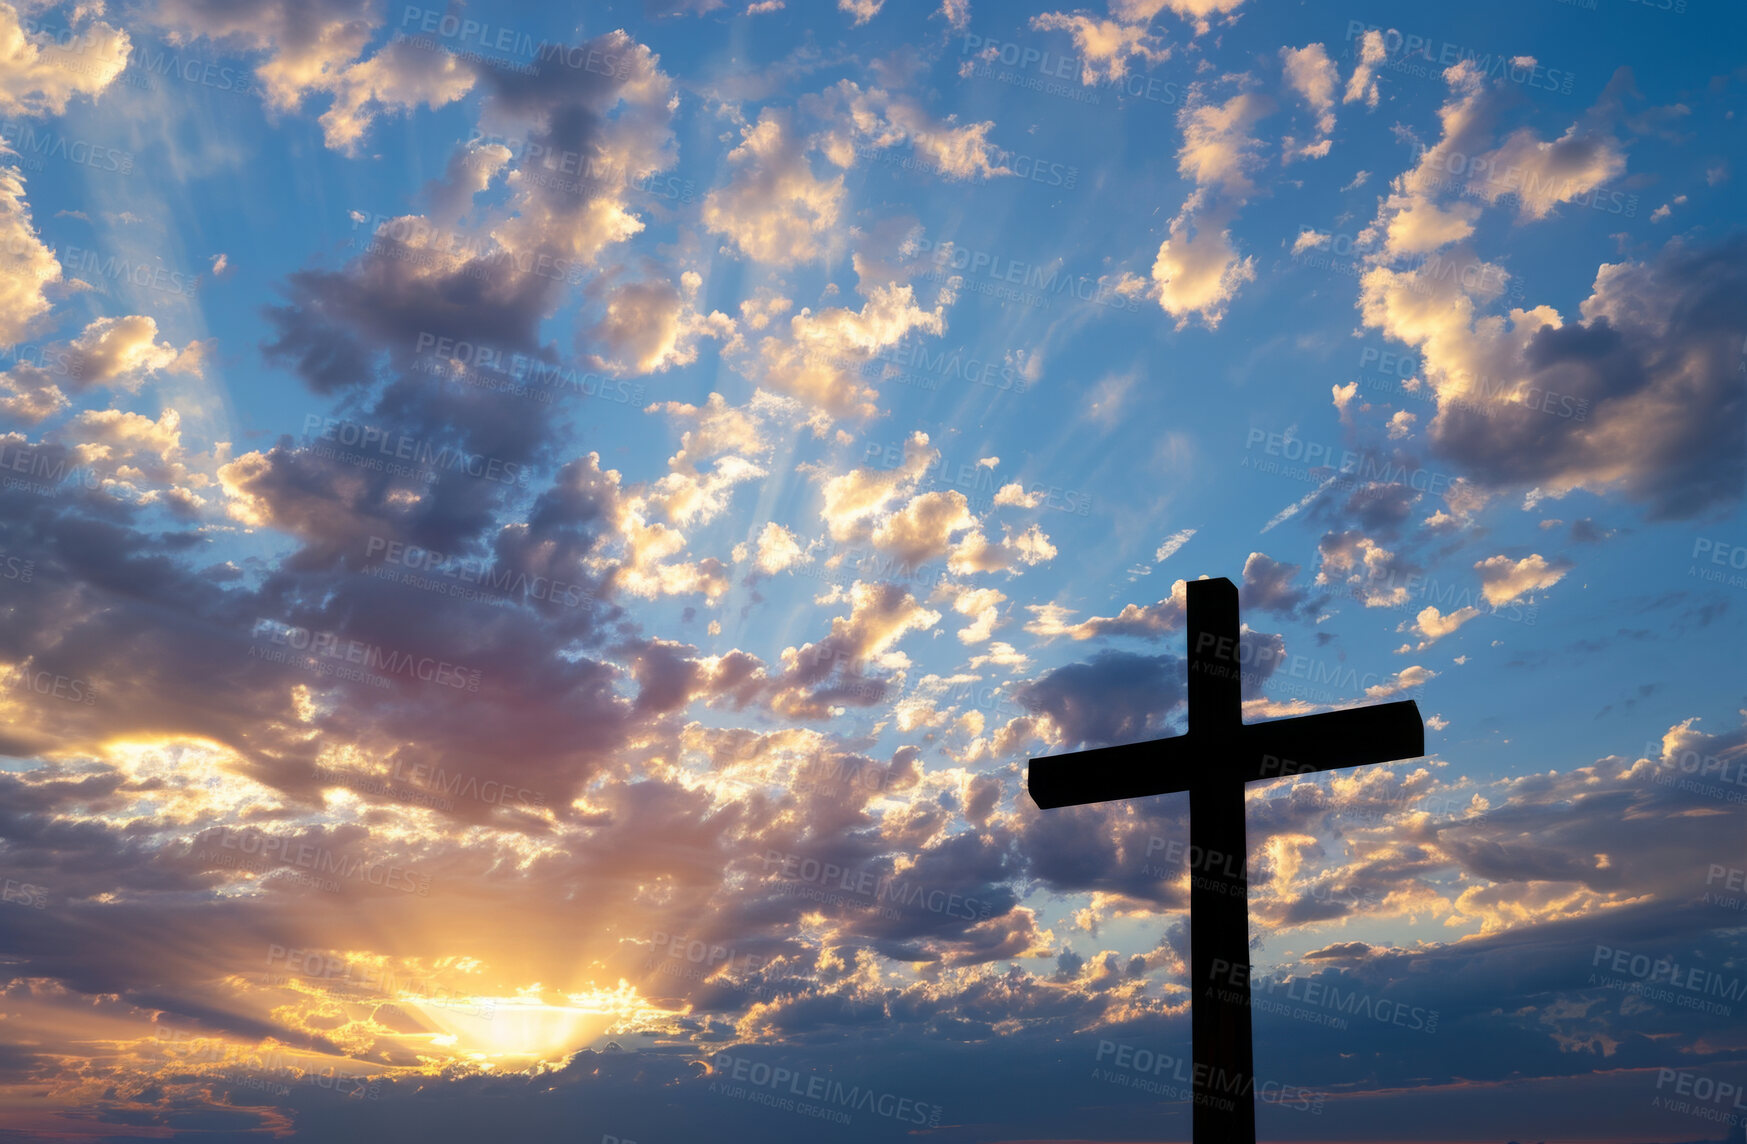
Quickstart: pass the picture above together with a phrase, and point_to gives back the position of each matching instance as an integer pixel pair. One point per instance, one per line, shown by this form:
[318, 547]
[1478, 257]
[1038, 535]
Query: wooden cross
[1212, 761]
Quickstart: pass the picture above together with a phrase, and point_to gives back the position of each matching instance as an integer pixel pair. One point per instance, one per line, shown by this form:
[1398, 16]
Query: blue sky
[535, 553]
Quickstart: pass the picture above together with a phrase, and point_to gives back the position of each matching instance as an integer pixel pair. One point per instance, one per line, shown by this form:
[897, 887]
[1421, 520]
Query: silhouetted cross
[1212, 761]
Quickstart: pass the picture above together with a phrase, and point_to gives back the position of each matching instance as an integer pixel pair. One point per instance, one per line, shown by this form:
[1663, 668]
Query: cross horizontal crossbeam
[1254, 753]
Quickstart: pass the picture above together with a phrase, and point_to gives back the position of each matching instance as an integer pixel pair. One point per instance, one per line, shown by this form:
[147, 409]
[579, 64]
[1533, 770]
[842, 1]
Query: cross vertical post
[1212, 761]
[1219, 934]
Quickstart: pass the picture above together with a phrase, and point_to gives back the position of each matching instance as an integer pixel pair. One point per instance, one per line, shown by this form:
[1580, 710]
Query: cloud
[1544, 174]
[41, 77]
[1312, 76]
[397, 79]
[777, 549]
[1267, 587]
[1503, 580]
[1149, 621]
[819, 360]
[139, 458]
[1464, 165]
[1431, 626]
[120, 352]
[956, 13]
[1645, 397]
[922, 530]
[1368, 572]
[984, 606]
[1172, 543]
[879, 119]
[1105, 47]
[1197, 269]
[854, 499]
[1406, 679]
[1108, 46]
[975, 553]
[773, 208]
[861, 11]
[835, 670]
[1362, 84]
[1198, 13]
[763, 308]
[308, 42]
[1218, 150]
[27, 265]
[649, 324]
[1117, 697]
